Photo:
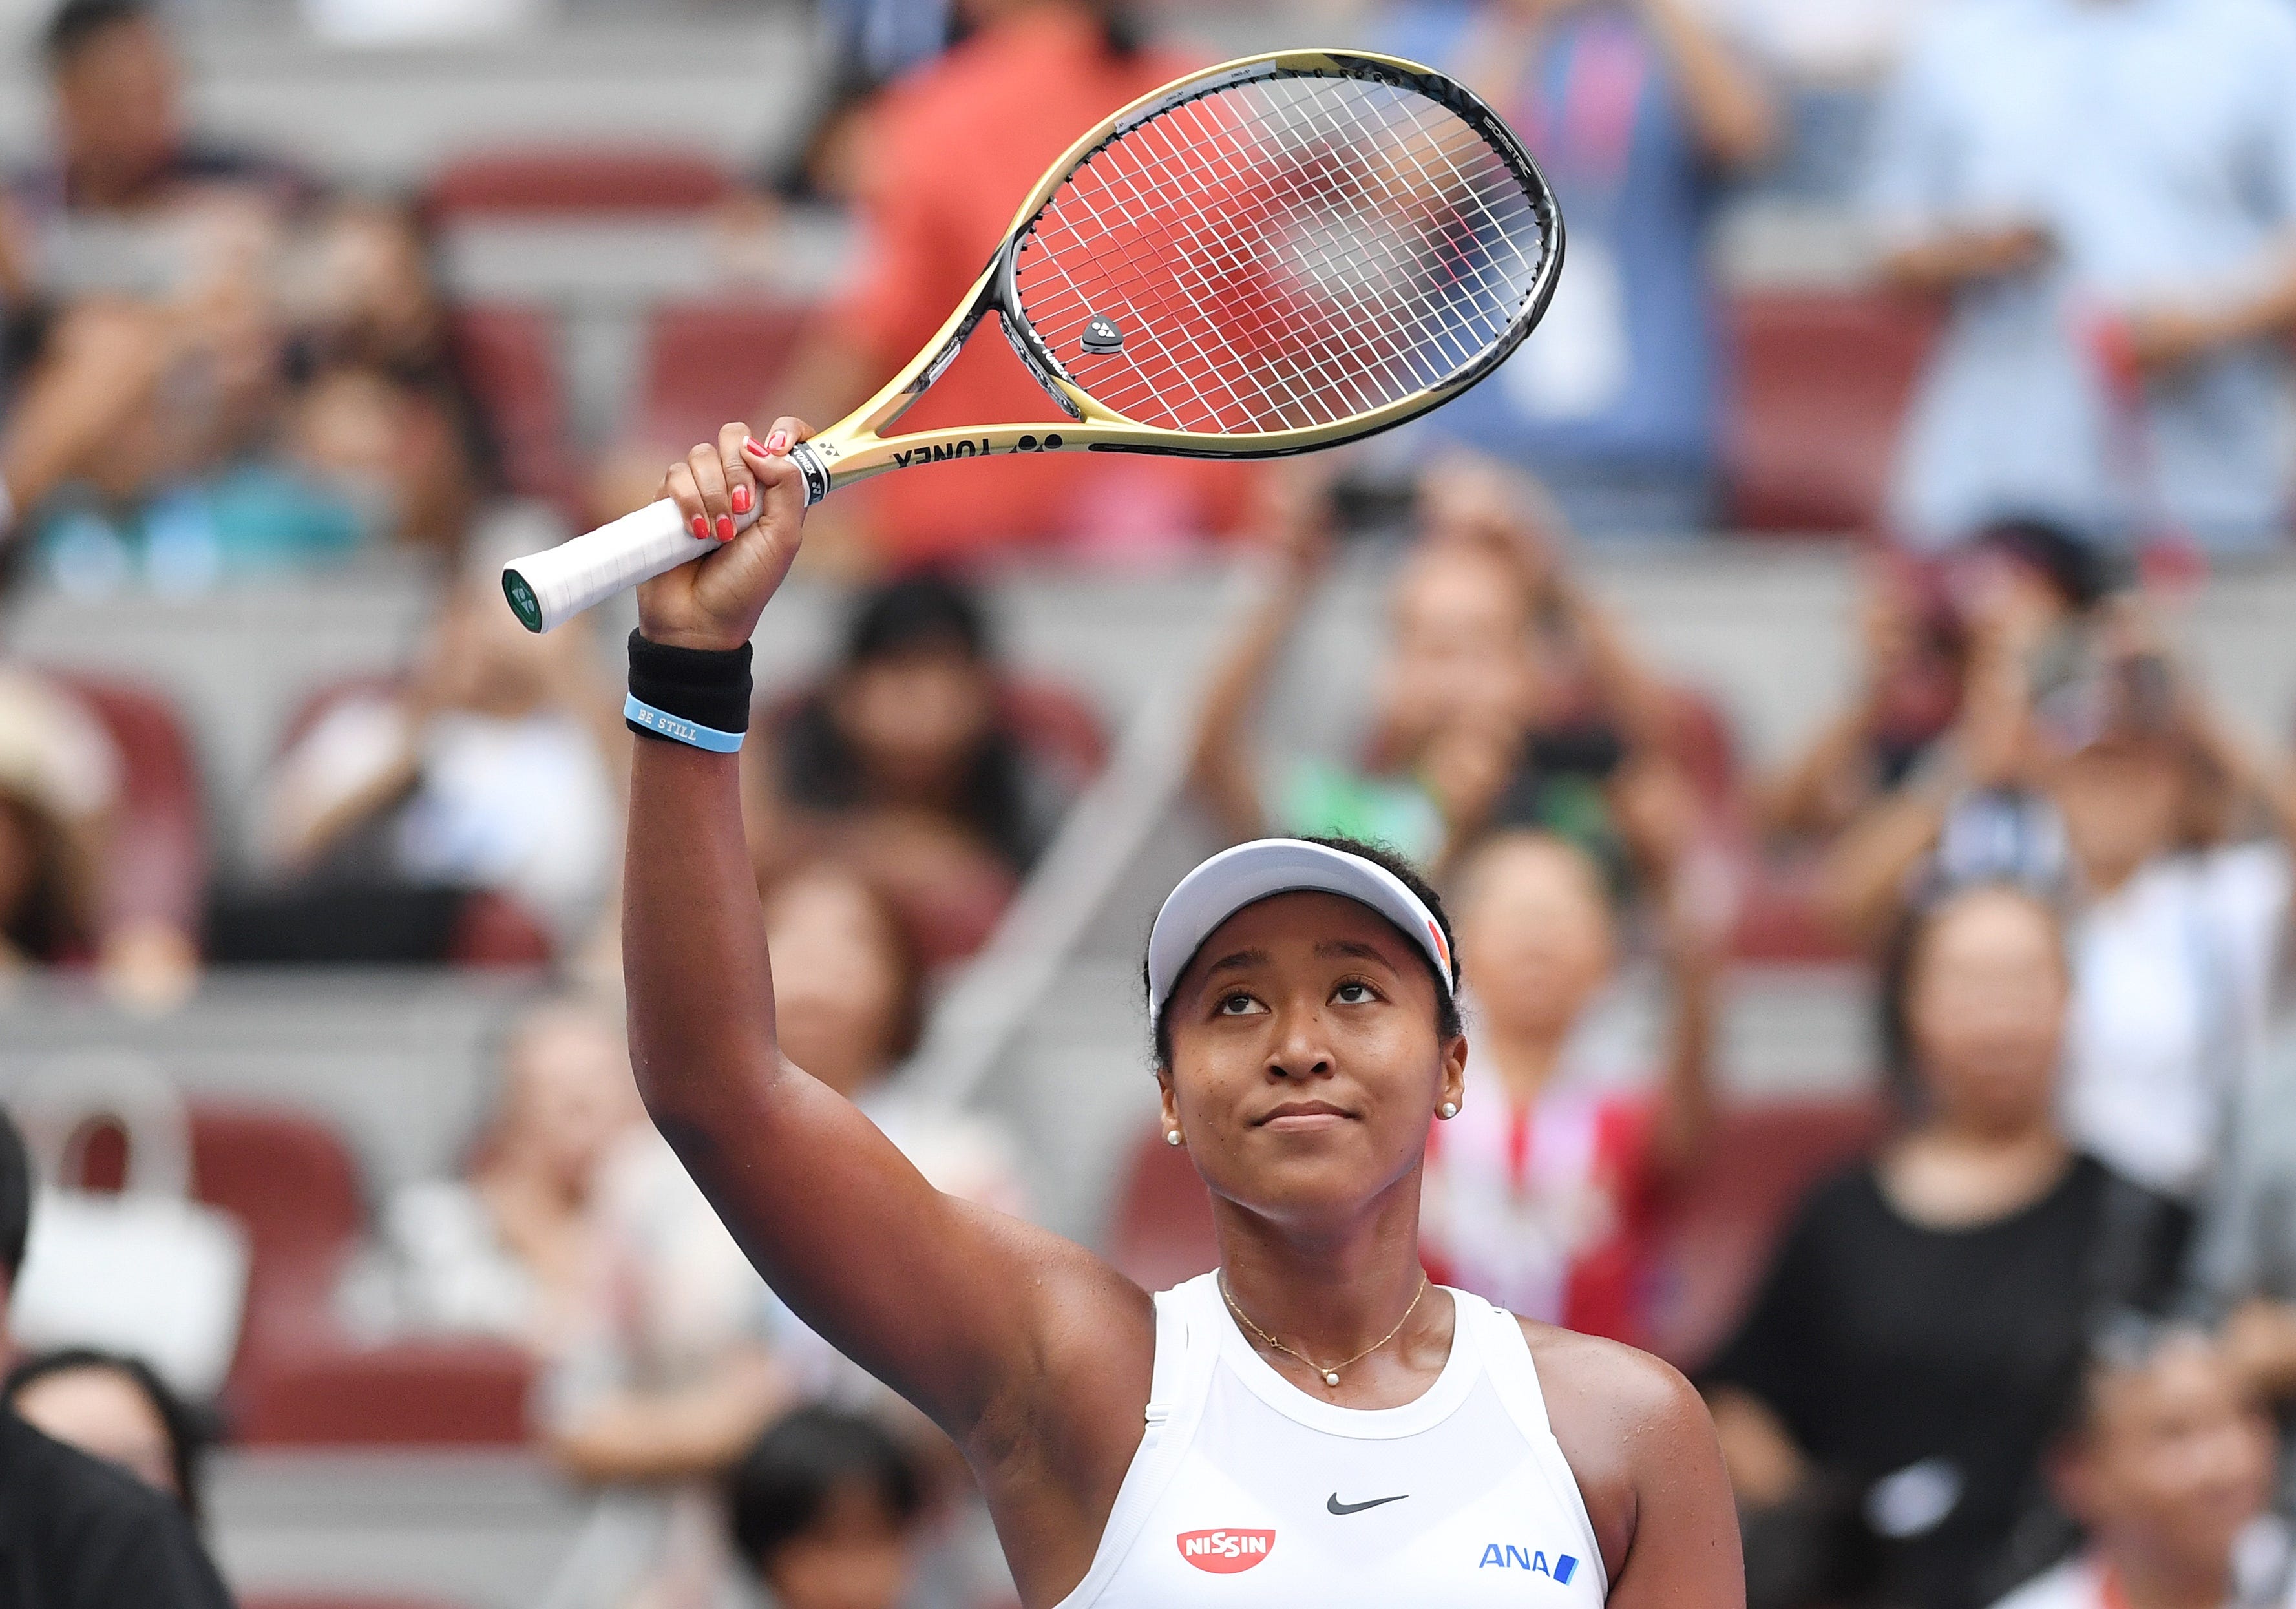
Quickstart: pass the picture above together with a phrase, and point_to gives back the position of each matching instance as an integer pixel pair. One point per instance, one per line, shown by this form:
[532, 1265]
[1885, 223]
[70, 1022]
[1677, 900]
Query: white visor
[1252, 872]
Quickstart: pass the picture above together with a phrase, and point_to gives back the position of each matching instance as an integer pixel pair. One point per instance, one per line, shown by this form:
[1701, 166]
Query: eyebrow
[1236, 963]
[1355, 947]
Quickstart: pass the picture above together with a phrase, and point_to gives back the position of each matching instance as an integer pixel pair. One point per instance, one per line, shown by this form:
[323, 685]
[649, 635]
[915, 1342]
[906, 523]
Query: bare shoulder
[1641, 1445]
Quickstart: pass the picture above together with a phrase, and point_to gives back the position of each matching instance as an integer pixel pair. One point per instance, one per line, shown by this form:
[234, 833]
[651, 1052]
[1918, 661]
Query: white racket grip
[546, 589]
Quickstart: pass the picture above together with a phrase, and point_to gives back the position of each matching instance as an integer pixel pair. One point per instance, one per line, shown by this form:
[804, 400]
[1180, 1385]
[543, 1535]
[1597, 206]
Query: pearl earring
[1171, 1136]
[1448, 1110]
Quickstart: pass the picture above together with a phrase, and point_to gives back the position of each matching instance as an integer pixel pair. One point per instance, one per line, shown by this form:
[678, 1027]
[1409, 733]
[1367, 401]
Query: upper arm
[1910, 170]
[1644, 1452]
[960, 1308]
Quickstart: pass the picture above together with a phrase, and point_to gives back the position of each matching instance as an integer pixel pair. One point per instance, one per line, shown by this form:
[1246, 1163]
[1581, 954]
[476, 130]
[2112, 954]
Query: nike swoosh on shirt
[1336, 1506]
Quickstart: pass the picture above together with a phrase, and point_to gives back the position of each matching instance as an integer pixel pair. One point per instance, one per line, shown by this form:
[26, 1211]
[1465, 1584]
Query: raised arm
[973, 1317]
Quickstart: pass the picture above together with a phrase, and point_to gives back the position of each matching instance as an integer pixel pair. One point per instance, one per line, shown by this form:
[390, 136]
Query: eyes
[1242, 1002]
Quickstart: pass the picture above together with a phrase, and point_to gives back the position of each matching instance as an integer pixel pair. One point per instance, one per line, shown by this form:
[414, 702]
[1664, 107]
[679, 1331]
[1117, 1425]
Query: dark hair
[188, 1435]
[76, 22]
[15, 1197]
[2078, 568]
[1449, 1023]
[1119, 35]
[776, 1493]
[917, 614]
[49, 924]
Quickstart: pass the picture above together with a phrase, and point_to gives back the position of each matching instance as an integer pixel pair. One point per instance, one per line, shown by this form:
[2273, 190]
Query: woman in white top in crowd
[1312, 1422]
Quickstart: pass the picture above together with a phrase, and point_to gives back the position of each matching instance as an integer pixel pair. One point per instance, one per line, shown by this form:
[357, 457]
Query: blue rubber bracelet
[662, 724]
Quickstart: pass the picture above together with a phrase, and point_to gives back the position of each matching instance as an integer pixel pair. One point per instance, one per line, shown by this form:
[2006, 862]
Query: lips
[1302, 1114]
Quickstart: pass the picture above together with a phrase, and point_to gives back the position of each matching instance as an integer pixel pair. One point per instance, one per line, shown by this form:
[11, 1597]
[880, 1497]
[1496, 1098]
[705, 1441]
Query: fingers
[717, 511]
[767, 457]
[741, 484]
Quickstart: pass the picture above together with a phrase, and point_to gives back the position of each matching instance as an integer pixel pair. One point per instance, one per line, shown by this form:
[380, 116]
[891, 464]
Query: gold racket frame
[856, 448]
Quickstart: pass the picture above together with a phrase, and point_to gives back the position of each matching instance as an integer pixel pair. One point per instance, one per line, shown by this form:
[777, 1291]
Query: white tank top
[1247, 1493]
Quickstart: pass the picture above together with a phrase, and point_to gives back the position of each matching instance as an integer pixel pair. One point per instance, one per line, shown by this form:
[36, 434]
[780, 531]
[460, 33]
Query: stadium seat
[157, 867]
[708, 362]
[1822, 382]
[1708, 1248]
[333, 1600]
[298, 1380]
[1720, 1224]
[509, 357]
[556, 181]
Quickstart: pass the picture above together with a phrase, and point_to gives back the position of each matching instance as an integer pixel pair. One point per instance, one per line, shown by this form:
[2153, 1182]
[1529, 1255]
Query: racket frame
[856, 448]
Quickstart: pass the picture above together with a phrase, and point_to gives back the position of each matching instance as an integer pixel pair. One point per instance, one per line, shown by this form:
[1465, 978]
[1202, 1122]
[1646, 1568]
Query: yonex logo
[1560, 1568]
[1224, 1552]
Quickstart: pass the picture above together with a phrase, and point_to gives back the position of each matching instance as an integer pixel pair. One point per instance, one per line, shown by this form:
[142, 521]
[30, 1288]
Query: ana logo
[1560, 1568]
[1224, 1552]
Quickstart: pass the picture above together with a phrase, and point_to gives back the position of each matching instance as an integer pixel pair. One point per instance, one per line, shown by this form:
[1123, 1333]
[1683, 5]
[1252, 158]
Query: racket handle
[546, 589]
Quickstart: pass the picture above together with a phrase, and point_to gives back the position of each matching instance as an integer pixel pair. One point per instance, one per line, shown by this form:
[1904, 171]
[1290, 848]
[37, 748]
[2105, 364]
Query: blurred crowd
[2036, 1344]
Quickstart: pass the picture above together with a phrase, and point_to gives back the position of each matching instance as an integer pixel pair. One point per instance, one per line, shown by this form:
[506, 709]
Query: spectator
[2123, 783]
[1029, 77]
[1539, 1193]
[382, 409]
[509, 1251]
[98, 371]
[77, 1530]
[1885, 1405]
[2167, 1466]
[1633, 110]
[122, 148]
[2105, 194]
[902, 761]
[1507, 695]
[490, 768]
[118, 1410]
[826, 1509]
[1909, 691]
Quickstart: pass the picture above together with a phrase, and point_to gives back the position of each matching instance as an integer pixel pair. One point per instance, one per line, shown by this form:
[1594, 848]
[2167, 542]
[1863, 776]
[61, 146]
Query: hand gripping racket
[1276, 255]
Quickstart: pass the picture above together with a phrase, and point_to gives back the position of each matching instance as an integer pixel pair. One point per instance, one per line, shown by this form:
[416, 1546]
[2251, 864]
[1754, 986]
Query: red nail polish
[741, 499]
[701, 528]
[724, 528]
[778, 442]
[754, 447]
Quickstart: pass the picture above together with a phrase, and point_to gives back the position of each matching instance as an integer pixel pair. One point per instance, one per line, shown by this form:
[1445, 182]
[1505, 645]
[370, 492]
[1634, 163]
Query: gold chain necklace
[1332, 1375]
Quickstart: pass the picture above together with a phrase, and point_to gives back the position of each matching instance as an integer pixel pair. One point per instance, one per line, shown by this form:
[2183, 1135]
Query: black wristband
[710, 687]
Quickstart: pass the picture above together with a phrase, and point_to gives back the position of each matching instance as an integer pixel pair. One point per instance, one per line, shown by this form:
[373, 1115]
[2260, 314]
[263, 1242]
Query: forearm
[638, 1437]
[1222, 768]
[1733, 115]
[1860, 878]
[1687, 1109]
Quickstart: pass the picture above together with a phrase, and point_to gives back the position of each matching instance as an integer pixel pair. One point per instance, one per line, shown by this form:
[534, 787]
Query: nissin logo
[1561, 1569]
[1224, 1552]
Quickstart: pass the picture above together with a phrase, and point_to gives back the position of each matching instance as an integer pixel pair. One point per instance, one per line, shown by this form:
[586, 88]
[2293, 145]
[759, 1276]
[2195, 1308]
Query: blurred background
[1840, 672]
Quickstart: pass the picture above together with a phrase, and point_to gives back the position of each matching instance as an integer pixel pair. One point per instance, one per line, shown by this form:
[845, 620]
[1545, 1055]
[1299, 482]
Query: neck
[2145, 1580]
[1524, 1059]
[1330, 1290]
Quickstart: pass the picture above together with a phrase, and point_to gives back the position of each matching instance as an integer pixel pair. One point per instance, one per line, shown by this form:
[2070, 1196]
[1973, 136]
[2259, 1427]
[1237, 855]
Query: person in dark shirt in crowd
[77, 1533]
[116, 1408]
[1885, 1405]
[122, 146]
[2167, 1465]
[826, 1509]
[902, 761]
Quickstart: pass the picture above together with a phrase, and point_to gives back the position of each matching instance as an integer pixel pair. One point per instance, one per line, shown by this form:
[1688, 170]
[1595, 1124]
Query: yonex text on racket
[1276, 255]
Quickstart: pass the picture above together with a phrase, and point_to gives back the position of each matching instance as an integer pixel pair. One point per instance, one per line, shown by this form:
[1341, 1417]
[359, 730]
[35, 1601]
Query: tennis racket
[1276, 255]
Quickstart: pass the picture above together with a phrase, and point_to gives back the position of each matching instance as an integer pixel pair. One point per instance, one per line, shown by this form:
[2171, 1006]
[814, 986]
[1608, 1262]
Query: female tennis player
[1311, 1424]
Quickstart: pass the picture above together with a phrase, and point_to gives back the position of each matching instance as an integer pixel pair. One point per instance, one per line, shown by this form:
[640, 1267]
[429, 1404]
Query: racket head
[1279, 254]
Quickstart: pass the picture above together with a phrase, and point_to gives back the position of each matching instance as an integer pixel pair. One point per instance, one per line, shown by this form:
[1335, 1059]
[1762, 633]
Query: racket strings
[1284, 254]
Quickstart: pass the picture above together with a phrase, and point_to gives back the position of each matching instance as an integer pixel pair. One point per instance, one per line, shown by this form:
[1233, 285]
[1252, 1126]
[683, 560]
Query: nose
[1302, 1049]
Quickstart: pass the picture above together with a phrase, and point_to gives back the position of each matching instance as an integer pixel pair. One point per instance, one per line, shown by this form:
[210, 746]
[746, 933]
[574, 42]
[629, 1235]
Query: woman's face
[2122, 802]
[106, 1415]
[1985, 1005]
[1460, 649]
[572, 1093]
[1535, 926]
[1305, 1063]
[916, 719]
[839, 981]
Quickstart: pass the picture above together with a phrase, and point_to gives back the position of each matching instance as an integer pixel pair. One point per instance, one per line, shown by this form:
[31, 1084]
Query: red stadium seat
[708, 362]
[1721, 1223]
[1822, 384]
[1057, 725]
[330, 1600]
[1710, 1248]
[509, 355]
[298, 1380]
[558, 181]
[1780, 921]
[156, 868]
